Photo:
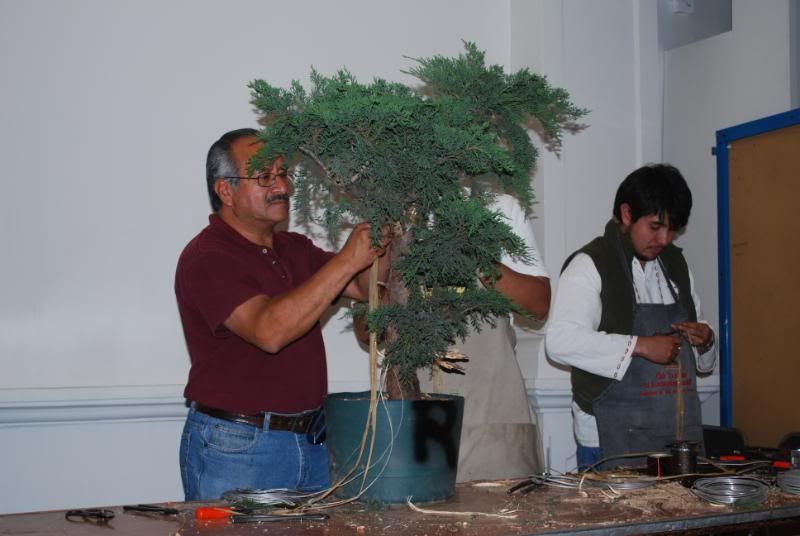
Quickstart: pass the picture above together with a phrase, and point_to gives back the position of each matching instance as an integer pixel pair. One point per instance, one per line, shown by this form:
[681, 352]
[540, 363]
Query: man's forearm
[529, 292]
[272, 322]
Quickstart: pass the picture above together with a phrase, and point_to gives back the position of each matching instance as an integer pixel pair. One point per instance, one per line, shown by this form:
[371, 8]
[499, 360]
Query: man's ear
[625, 214]
[224, 191]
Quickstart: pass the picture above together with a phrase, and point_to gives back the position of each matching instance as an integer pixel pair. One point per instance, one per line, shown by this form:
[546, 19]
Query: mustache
[278, 197]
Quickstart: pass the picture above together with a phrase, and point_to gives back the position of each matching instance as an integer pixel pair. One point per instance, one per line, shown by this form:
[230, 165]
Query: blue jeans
[217, 456]
[587, 456]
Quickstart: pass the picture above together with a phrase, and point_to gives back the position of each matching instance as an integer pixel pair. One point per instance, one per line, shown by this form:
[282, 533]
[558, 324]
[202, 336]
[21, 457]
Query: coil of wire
[731, 490]
[789, 482]
[575, 482]
[265, 497]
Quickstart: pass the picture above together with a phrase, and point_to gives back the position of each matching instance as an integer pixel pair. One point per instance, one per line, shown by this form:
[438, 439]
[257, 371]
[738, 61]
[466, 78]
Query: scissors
[98, 515]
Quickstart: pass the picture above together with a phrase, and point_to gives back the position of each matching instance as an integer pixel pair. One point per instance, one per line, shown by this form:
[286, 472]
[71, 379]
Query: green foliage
[423, 161]
[431, 321]
[507, 102]
[467, 239]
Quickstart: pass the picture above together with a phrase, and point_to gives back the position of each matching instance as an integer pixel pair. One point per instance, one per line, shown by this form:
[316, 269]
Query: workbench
[667, 507]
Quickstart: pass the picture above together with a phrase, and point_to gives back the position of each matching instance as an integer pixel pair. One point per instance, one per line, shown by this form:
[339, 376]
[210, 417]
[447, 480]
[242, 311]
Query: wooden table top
[668, 506]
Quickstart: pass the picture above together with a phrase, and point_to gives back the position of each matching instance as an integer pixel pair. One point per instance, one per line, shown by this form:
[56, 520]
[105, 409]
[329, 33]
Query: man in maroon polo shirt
[250, 299]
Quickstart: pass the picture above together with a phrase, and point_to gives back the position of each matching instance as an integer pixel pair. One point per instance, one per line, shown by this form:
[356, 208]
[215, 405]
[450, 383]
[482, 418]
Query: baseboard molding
[42, 406]
[64, 405]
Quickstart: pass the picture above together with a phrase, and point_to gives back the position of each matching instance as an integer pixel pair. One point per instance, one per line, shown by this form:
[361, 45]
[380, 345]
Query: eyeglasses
[268, 179]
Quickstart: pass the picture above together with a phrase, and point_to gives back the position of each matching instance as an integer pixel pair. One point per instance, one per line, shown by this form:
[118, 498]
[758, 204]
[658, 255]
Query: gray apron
[638, 413]
[498, 438]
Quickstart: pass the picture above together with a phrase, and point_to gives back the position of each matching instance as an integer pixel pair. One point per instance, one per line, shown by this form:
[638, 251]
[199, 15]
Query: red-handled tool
[217, 513]
[206, 513]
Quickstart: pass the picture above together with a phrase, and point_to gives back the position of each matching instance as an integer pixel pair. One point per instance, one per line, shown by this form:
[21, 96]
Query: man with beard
[250, 299]
[625, 318]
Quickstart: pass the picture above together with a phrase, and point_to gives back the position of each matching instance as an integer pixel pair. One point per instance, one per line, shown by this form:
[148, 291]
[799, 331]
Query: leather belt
[299, 423]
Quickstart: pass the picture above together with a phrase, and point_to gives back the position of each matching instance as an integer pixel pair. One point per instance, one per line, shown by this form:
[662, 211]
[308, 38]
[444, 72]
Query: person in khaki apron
[499, 439]
[626, 319]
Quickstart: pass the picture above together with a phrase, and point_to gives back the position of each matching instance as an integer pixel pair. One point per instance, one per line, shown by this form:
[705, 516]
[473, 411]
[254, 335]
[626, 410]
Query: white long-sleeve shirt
[522, 227]
[573, 338]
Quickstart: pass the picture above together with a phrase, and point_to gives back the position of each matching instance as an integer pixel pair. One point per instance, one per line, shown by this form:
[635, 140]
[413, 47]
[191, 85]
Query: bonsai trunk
[398, 390]
[398, 294]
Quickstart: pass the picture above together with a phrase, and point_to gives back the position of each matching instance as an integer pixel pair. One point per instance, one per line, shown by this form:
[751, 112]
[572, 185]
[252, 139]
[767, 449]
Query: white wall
[713, 84]
[108, 109]
[106, 112]
[794, 51]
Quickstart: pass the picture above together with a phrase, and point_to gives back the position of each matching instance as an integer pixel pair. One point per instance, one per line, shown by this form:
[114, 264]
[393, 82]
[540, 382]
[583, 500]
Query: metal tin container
[684, 456]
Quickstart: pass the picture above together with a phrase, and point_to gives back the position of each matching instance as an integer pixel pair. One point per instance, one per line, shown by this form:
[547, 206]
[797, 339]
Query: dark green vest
[612, 253]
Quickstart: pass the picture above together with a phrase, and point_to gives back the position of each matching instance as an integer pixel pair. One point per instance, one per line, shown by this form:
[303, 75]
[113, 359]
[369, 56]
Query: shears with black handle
[151, 509]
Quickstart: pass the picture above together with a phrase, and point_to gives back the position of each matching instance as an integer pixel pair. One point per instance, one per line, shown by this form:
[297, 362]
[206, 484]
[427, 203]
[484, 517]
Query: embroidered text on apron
[638, 413]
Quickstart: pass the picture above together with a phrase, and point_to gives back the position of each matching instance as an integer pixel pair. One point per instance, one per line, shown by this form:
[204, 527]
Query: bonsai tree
[425, 162]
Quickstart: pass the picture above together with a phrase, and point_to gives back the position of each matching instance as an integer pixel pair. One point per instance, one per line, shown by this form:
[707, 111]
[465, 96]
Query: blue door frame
[724, 138]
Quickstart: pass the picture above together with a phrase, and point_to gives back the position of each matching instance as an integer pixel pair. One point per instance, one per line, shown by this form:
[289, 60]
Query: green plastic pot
[416, 447]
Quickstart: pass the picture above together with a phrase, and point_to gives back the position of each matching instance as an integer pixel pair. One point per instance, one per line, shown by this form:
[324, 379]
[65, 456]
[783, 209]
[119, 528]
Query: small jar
[684, 457]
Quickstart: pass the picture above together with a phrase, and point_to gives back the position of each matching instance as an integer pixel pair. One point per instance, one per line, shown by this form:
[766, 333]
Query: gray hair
[220, 163]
